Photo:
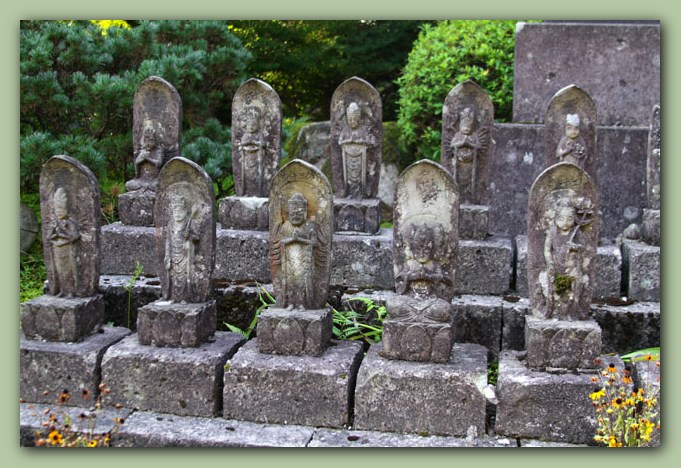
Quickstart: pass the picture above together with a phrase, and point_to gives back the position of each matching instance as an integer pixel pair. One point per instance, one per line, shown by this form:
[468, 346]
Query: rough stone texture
[357, 215]
[363, 261]
[563, 233]
[28, 227]
[345, 438]
[147, 429]
[33, 415]
[607, 276]
[137, 208]
[294, 332]
[647, 376]
[181, 381]
[60, 319]
[618, 64]
[416, 341]
[561, 344]
[70, 212]
[410, 397]
[356, 130]
[390, 172]
[54, 367]
[530, 443]
[473, 222]
[185, 231]
[143, 291]
[540, 405]
[237, 304]
[650, 227]
[570, 130]
[242, 256]
[484, 267]
[641, 271]
[313, 144]
[313, 391]
[245, 213]
[256, 138]
[467, 117]
[123, 245]
[653, 162]
[630, 327]
[478, 319]
[513, 310]
[163, 323]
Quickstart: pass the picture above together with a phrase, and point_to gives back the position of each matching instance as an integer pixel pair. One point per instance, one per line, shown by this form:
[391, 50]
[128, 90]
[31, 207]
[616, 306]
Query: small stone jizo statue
[468, 142]
[354, 141]
[64, 236]
[251, 147]
[180, 249]
[148, 160]
[572, 147]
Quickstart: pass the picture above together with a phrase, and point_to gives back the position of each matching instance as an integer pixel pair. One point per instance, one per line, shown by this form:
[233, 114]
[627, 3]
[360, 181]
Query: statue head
[61, 203]
[467, 120]
[251, 119]
[178, 206]
[297, 209]
[572, 126]
[422, 244]
[565, 214]
[354, 114]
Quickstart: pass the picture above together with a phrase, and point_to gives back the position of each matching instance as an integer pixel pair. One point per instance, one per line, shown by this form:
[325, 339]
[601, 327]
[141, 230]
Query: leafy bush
[443, 56]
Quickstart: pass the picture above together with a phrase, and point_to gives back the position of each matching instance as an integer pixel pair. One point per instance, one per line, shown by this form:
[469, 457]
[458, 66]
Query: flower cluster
[627, 416]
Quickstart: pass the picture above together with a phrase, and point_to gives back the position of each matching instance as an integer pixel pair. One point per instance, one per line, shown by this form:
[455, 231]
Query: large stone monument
[356, 141]
[256, 135]
[417, 379]
[157, 136]
[467, 117]
[293, 373]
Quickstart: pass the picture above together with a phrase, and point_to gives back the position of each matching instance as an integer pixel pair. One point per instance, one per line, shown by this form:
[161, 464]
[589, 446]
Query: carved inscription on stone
[185, 231]
[570, 128]
[563, 229]
[256, 135]
[69, 204]
[467, 117]
[301, 220]
[356, 139]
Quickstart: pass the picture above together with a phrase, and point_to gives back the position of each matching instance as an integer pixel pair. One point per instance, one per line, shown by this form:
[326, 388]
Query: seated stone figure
[148, 161]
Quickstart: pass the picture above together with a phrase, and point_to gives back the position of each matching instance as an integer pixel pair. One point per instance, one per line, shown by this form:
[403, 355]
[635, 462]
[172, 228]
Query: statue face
[466, 126]
[353, 119]
[179, 210]
[572, 131]
[565, 219]
[252, 124]
[297, 212]
[60, 211]
[421, 287]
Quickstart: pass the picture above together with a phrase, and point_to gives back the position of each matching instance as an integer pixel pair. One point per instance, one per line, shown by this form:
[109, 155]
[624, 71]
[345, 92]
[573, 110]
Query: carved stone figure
[64, 235]
[181, 240]
[148, 161]
[251, 148]
[570, 130]
[354, 141]
[466, 146]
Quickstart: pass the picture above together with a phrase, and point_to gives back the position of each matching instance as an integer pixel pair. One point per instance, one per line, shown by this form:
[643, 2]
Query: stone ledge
[352, 438]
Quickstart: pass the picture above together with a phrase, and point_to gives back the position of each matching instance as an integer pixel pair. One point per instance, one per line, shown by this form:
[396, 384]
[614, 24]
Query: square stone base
[55, 318]
[137, 208]
[642, 271]
[244, 213]
[478, 319]
[420, 342]
[562, 344]
[164, 323]
[361, 216]
[54, 367]
[473, 221]
[294, 332]
[650, 226]
[306, 390]
[542, 405]
[424, 398]
[181, 381]
[484, 266]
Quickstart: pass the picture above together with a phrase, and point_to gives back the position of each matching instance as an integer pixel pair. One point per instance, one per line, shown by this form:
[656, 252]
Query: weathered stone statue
[185, 316]
[570, 127]
[356, 142]
[419, 326]
[157, 135]
[562, 243]
[301, 220]
[256, 136]
[69, 203]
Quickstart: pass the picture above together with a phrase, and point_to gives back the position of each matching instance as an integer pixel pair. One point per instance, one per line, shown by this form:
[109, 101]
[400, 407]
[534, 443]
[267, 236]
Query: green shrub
[443, 56]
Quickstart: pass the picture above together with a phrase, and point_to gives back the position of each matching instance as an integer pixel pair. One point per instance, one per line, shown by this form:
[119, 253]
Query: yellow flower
[627, 379]
[611, 369]
[92, 443]
[598, 438]
[609, 410]
[597, 395]
[55, 437]
[613, 442]
[635, 426]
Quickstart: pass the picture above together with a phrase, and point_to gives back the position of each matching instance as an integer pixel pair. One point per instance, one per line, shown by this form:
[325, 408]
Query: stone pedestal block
[642, 270]
[562, 344]
[242, 256]
[473, 221]
[54, 367]
[514, 309]
[650, 226]
[542, 405]
[244, 213]
[359, 216]
[306, 390]
[628, 327]
[137, 208]
[122, 246]
[478, 319]
[54, 318]
[181, 381]
[413, 341]
[164, 323]
[484, 266]
[363, 262]
[424, 398]
[294, 332]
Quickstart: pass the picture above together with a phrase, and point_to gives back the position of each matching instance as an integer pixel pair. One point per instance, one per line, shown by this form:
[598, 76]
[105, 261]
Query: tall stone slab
[570, 130]
[157, 136]
[69, 204]
[356, 142]
[185, 247]
[651, 215]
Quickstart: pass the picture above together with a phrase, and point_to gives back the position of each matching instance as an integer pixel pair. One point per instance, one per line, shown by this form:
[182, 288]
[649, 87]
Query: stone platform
[641, 271]
[423, 398]
[244, 213]
[61, 319]
[137, 208]
[181, 381]
[54, 367]
[306, 390]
